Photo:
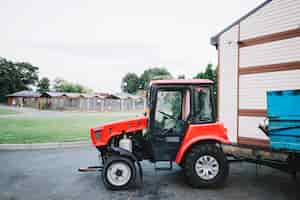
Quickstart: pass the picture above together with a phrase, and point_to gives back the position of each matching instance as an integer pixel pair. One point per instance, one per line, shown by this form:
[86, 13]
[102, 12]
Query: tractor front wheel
[206, 165]
[118, 173]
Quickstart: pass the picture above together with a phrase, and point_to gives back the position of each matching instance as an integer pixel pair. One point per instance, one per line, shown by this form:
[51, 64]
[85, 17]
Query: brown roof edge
[215, 39]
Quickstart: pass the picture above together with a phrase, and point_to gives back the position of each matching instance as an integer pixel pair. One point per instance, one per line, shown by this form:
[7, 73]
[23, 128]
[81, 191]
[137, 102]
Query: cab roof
[181, 82]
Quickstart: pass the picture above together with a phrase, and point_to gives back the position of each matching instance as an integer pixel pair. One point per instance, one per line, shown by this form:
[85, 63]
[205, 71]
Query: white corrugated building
[257, 53]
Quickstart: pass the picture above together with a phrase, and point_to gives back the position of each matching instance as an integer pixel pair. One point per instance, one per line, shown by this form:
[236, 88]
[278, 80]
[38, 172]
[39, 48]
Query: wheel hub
[207, 167]
[119, 172]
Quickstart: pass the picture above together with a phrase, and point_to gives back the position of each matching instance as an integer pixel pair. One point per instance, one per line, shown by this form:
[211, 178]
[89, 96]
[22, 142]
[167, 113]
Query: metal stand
[141, 173]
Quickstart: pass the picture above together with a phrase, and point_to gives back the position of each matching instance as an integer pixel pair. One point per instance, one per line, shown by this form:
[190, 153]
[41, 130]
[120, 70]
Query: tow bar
[91, 169]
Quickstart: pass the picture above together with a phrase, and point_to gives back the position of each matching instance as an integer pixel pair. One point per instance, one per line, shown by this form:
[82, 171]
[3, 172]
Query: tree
[153, 74]
[211, 74]
[43, 85]
[58, 84]
[16, 76]
[61, 85]
[130, 83]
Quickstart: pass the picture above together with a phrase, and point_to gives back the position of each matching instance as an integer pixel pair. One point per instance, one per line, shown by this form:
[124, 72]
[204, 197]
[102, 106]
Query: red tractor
[180, 127]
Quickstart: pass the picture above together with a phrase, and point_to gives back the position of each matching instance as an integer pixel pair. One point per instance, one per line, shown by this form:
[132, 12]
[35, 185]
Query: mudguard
[123, 152]
[199, 133]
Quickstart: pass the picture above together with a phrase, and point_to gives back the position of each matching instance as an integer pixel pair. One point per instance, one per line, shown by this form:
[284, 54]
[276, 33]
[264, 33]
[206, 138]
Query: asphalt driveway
[52, 174]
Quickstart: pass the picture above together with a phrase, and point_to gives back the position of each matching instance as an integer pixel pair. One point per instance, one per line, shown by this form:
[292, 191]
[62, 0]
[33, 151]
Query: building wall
[228, 62]
[248, 127]
[266, 57]
[276, 16]
[281, 51]
[253, 87]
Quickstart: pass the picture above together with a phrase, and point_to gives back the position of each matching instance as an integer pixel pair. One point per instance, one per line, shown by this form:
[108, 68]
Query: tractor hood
[101, 135]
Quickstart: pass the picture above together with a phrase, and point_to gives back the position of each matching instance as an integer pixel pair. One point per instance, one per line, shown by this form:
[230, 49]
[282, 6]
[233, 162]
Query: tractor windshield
[168, 108]
[203, 108]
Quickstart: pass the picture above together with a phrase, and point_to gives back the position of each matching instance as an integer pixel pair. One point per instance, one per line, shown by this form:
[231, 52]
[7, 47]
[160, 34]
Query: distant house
[72, 101]
[76, 101]
[24, 97]
[106, 95]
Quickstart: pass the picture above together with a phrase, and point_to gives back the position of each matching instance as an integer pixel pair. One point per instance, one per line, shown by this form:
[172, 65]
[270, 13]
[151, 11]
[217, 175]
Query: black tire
[196, 153]
[113, 160]
[293, 161]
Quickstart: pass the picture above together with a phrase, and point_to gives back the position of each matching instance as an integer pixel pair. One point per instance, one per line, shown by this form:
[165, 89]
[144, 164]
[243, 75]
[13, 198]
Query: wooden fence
[90, 104]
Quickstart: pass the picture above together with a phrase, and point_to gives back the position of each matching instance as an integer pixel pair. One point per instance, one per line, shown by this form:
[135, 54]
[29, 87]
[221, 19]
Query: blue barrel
[283, 110]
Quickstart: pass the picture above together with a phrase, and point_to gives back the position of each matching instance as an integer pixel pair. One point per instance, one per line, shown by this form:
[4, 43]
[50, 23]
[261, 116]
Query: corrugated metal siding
[253, 87]
[276, 16]
[248, 127]
[281, 51]
[228, 81]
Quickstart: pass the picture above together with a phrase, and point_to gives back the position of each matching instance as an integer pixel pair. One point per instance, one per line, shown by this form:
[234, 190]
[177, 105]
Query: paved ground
[52, 174]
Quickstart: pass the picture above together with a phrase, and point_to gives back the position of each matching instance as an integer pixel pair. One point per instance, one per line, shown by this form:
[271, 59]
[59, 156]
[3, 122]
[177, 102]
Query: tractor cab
[173, 106]
[180, 126]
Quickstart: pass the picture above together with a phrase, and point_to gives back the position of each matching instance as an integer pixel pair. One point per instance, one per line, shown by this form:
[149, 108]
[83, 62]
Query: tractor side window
[203, 105]
[168, 109]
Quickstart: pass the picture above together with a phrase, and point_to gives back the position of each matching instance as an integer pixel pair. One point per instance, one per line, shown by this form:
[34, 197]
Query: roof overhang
[215, 39]
[181, 82]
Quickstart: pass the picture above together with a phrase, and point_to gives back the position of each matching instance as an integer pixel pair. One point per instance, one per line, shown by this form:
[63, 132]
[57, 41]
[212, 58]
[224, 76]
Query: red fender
[202, 132]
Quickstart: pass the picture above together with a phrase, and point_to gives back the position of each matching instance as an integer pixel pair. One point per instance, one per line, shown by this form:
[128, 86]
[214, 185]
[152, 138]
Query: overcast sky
[96, 43]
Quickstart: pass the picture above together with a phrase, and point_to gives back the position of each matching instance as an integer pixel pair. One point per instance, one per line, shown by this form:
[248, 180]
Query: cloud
[106, 53]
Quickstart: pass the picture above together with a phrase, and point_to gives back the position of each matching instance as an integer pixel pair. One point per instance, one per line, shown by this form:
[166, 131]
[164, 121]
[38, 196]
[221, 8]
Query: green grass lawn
[7, 112]
[52, 129]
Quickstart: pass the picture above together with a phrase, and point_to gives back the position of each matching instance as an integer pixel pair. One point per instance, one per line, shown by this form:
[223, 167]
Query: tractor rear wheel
[118, 173]
[206, 165]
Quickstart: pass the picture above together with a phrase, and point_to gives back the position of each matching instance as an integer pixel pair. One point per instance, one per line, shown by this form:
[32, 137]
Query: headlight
[98, 135]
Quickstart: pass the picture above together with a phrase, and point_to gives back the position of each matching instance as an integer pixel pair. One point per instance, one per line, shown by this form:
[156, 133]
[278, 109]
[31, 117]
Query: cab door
[167, 123]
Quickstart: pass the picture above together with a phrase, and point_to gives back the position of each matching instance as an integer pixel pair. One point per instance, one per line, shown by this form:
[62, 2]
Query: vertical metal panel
[228, 48]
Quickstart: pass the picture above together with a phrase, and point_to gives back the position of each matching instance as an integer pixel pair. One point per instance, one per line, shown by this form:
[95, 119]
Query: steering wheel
[167, 115]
